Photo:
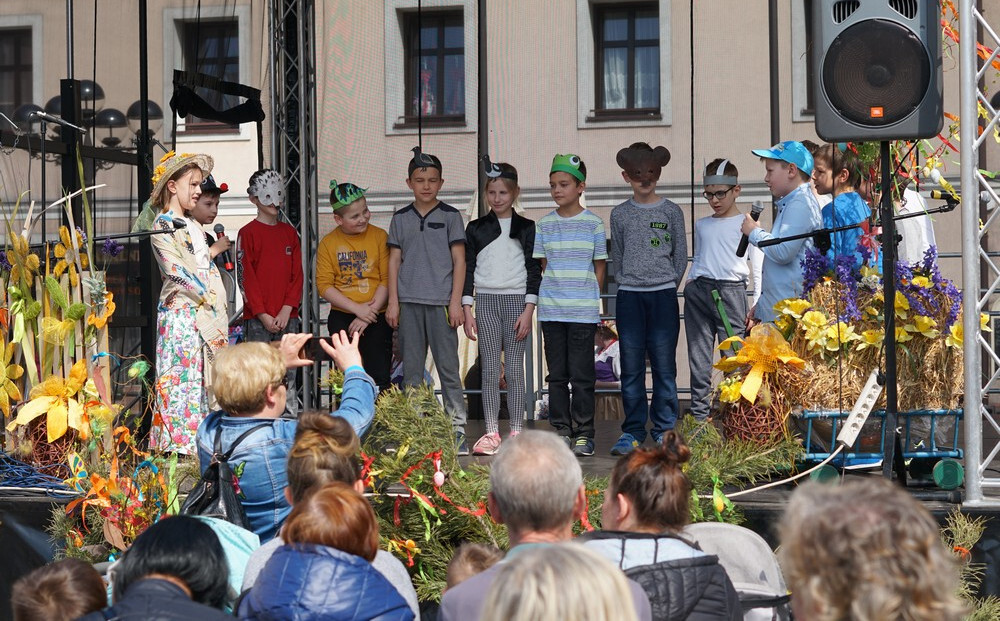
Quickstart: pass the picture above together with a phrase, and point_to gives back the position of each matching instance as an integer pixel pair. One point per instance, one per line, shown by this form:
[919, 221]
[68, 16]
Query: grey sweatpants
[423, 325]
[703, 325]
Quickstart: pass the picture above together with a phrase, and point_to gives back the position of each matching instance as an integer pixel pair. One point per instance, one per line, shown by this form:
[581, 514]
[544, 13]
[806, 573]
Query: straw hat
[170, 164]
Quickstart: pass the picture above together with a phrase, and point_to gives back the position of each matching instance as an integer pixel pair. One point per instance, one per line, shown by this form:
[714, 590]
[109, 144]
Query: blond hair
[560, 581]
[471, 559]
[866, 551]
[242, 375]
[326, 450]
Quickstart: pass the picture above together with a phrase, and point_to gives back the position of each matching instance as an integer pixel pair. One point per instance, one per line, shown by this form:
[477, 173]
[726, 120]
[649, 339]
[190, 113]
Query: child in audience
[270, 257]
[571, 244]
[648, 256]
[352, 274]
[500, 269]
[426, 275]
[471, 559]
[716, 268]
[66, 589]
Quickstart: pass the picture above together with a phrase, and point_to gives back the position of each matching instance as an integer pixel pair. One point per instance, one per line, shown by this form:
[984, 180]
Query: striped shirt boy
[569, 291]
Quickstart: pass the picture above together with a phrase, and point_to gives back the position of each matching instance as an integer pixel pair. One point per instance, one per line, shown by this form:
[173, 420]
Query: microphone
[220, 232]
[755, 211]
[38, 114]
[179, 224]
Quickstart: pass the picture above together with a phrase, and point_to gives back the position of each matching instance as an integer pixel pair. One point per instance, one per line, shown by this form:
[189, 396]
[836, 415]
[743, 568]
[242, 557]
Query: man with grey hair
[536, 489]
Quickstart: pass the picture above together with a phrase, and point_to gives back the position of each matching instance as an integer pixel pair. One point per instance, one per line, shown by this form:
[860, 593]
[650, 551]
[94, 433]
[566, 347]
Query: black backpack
[214, 494]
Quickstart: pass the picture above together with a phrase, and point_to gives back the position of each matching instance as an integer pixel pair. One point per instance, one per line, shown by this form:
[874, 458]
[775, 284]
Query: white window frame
[173, 58]
[586, 66]
[35, 22]
[799, 60]
[395, 61]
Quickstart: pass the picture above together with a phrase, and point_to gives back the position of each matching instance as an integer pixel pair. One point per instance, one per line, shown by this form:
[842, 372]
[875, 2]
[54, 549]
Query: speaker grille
[906, 8]
[876, 73]
[844, 9]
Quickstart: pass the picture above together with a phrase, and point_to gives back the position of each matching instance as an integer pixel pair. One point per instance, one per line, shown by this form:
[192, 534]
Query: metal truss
[980, 270]
[293, 147]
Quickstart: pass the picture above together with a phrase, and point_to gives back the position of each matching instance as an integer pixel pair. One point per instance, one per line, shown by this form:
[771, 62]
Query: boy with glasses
[648, 256]
[716, 268]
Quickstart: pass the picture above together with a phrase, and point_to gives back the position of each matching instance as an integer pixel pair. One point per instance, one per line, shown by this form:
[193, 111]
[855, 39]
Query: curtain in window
[615, 78]
[647, 77]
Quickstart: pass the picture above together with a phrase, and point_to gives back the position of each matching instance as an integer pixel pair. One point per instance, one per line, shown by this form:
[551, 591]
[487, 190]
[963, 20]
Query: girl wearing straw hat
[192, 323]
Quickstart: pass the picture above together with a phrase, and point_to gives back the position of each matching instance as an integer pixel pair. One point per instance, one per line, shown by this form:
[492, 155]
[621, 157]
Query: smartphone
[313, 351]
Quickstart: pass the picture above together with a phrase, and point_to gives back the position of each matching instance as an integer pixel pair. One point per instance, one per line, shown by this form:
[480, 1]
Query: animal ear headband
[493, 171]
[344, 194]
[637, 157]
[719, 177]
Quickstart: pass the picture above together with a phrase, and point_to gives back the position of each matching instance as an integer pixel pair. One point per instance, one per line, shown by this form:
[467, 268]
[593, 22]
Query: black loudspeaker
[877, 69]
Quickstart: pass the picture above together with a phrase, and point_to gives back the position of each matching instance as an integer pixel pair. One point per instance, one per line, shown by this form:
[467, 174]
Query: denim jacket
[259, 464]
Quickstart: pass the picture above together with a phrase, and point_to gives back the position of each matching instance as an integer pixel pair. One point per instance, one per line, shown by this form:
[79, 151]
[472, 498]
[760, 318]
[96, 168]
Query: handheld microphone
[220, 232]
[755, 211]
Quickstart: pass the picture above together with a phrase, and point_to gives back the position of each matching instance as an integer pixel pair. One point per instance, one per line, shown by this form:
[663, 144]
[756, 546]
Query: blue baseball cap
[790, 151]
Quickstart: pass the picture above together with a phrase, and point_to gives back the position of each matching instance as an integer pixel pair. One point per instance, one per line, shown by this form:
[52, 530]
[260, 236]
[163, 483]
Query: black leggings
[375, 345]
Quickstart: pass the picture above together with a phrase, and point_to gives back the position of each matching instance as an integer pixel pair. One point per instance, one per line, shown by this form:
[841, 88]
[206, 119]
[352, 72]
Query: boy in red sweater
[270, 257]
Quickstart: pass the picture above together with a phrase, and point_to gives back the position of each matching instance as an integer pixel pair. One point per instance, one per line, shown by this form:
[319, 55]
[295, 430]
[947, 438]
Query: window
[623, 74]
[803, 78]
[627, 55]
[212, 48]
[15, 69]
[434, 45]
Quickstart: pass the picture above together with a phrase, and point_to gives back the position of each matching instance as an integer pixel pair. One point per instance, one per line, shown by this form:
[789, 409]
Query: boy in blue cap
[789, 167]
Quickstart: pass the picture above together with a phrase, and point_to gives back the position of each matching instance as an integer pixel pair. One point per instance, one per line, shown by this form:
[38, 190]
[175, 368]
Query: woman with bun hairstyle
[192, 319]
[326, 450]
[645, 507]
[325, 571]
[504, 276]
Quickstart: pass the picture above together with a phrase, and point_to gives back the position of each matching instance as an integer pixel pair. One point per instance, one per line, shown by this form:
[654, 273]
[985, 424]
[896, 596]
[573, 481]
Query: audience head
[866, 550]
[181, 549]
[605, 334]
[471, 559]
[648, 490]
[536, 483]
[248, 377]
[325, 451]
[66, 589]
[337, 516]
[562, 581]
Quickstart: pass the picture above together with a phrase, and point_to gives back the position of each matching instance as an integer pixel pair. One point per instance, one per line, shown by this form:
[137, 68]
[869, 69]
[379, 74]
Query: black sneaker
[583, 447]
[461, 446]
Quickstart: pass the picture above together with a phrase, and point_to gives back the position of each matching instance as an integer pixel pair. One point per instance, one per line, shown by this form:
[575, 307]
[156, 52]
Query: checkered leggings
[495, 317]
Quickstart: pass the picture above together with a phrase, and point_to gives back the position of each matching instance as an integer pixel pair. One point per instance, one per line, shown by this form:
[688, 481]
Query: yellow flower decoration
[784, 322]
[55, 397]
[816, 338]
[9, 392]
[921, 281]
[762, 351]
[984, 322]
[924, 325]
[902, 306]
[868, 271]
[955, 336]
[23, 264]
[902, 335]
[839, 334]
[814, 318]
[101, 320]
[67, 258]
[792, 306]
[729, 390]
[871, 338]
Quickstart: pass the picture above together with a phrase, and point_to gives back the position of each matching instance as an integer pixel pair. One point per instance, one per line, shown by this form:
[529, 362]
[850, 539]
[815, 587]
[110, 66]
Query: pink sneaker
[512, 434]
[489, 444]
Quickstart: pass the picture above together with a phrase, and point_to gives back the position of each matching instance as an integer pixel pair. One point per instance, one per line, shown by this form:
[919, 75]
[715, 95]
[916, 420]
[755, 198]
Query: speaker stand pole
[891, 450]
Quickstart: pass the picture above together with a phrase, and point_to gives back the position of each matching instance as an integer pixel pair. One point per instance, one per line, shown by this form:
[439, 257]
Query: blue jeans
[648, 324]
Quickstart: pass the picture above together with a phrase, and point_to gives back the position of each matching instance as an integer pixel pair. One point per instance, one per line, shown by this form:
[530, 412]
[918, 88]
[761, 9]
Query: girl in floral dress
[192, 322]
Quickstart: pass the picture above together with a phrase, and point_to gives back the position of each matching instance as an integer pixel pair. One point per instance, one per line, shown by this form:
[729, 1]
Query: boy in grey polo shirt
[426, 276]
